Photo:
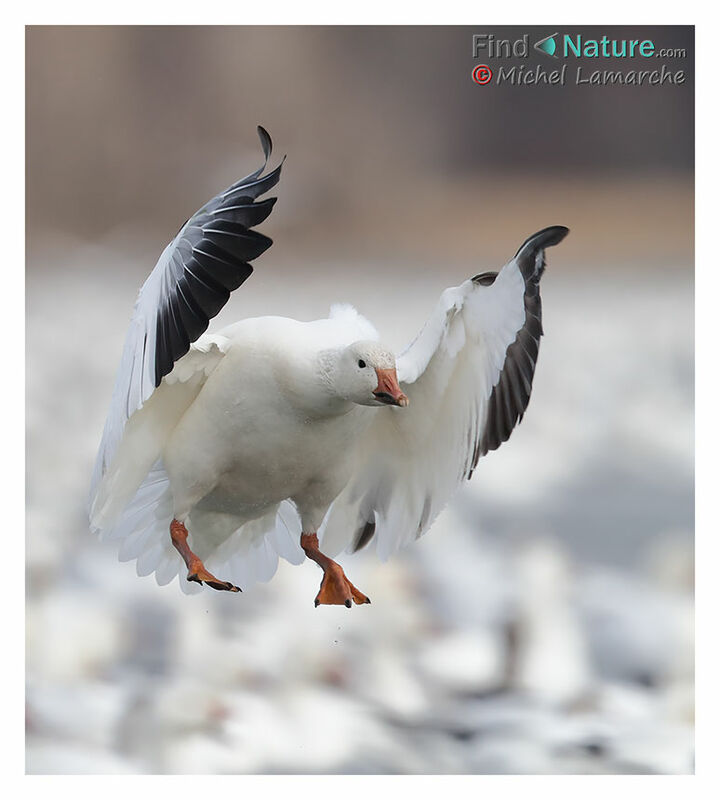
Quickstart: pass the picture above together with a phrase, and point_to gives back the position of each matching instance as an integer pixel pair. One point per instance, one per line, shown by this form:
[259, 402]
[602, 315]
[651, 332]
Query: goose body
[274, 437]
[268, 428]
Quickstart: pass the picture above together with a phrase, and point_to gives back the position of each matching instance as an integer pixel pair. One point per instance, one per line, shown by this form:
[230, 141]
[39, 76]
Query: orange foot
[335, 589]
[196, 568]
[199, 574]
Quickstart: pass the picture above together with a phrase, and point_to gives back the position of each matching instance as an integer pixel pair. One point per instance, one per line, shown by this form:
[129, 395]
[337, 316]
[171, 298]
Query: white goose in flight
[273, 436]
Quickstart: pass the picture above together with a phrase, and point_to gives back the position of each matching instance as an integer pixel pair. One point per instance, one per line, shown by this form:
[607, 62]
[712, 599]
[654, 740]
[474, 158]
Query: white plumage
[273, 427]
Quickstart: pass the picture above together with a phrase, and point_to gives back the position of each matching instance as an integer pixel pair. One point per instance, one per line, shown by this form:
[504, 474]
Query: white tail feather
[249, 555]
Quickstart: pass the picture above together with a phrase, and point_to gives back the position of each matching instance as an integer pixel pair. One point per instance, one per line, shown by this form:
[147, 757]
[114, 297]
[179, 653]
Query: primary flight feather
[277, 438]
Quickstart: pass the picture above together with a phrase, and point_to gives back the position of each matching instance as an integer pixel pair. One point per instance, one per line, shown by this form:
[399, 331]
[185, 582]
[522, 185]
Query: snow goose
[263, 439]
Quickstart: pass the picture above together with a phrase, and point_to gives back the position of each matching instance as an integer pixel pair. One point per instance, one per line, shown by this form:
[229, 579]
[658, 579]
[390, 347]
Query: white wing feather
[147, 431]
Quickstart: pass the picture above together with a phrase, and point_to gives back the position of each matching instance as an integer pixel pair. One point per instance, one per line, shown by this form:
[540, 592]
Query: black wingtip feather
[547, 237]
[246, 214]
[511, 394]
[364, 536]
[485, 278]
[216, 247]
[265, 142]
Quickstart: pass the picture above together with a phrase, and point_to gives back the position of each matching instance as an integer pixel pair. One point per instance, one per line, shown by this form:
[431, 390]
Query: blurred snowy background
[545, 624]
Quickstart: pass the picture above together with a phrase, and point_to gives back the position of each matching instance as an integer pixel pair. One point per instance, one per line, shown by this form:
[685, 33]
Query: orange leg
[335, 589]
[196, 568]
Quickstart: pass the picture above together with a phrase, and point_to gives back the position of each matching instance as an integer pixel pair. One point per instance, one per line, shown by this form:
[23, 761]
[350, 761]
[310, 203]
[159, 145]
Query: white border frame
[705, 783]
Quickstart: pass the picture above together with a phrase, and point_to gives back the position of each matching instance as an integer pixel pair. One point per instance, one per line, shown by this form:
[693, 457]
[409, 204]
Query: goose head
[365, 373]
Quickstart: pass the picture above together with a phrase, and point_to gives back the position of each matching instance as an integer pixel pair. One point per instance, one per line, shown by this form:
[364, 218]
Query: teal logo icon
[547, 45]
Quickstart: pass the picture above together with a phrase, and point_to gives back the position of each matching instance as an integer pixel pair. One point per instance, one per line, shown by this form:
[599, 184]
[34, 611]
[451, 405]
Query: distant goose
[257, 441]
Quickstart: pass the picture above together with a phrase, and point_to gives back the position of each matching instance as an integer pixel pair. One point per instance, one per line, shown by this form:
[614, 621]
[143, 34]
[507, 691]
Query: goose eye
[362, 364]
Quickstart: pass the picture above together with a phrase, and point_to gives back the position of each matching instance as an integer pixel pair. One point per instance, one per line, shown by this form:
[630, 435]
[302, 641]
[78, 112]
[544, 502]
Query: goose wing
[192, 280]
[469, 376]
